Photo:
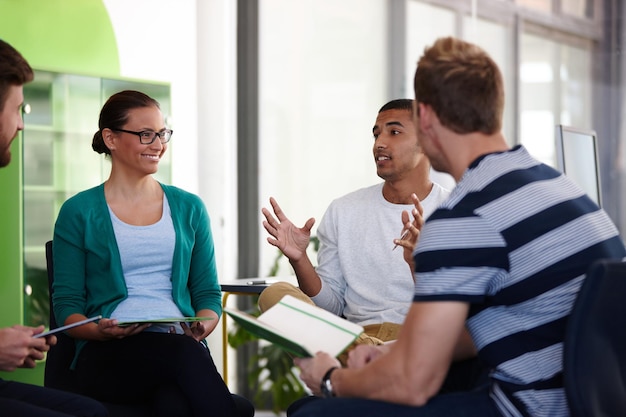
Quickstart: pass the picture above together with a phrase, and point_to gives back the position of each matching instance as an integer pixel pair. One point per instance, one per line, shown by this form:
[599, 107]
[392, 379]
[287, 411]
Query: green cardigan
[88, 277]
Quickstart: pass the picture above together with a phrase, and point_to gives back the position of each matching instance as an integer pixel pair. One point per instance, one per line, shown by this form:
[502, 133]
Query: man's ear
[424, 116]
[429, 123]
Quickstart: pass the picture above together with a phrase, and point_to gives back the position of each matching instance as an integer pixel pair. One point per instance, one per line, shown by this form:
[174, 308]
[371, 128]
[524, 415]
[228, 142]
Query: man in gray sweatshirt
[359, 274]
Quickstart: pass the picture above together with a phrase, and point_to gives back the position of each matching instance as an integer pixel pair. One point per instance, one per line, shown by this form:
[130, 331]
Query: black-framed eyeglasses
[146, 137]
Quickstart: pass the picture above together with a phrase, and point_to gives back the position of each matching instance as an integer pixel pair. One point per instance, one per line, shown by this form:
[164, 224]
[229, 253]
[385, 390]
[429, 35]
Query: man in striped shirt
[503, 257]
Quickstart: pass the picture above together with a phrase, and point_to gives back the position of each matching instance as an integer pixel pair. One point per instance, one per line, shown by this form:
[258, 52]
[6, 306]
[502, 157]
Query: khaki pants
[373, 334]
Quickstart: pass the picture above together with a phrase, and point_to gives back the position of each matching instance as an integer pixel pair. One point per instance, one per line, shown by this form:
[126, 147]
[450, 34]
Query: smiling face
[396, 149]
[10, 122]
[127, 152]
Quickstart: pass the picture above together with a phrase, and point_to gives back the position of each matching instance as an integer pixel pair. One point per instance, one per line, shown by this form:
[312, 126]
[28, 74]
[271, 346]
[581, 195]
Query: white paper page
[313, 327]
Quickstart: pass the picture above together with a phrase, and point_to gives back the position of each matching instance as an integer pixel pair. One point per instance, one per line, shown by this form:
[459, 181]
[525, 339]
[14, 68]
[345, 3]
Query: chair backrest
[595, 344]
[57, 373]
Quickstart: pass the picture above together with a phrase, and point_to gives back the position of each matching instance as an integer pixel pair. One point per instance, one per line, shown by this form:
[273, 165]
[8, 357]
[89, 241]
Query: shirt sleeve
[331, 296]
[459, 258]
[203, 283]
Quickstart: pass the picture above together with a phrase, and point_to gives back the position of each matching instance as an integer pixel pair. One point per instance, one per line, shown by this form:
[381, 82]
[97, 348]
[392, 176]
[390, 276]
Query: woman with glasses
[136, 251]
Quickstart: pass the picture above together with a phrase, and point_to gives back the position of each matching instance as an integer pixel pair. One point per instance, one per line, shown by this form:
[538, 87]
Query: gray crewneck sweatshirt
[363, 279]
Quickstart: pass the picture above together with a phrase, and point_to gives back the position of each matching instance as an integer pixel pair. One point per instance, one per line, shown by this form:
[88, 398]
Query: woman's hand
[200, 329]
[109, 329]
[197, 330]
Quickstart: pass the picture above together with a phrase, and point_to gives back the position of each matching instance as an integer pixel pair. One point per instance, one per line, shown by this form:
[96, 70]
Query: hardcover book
[300, 328]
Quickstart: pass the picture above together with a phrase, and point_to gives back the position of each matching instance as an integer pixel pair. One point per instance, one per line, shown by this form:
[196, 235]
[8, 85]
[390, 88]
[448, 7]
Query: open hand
[291, 240]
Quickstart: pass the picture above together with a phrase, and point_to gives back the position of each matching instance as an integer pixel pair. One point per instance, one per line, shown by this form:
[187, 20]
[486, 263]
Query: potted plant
[271, 374]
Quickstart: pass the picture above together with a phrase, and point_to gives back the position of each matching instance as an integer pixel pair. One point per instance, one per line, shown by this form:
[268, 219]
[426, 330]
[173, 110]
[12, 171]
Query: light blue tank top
[146, 253]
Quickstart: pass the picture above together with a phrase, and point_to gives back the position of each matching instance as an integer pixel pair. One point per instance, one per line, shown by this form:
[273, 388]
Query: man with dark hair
[359, 276]
[503, 257]
[14, 72]
[18, 346]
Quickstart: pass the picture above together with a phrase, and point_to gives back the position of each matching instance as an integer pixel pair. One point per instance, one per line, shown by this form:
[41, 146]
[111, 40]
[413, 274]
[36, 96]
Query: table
[243, 286]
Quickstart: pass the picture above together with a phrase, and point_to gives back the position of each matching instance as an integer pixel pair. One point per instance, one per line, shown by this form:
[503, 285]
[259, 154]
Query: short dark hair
[462, 84]
[114, 114]
[398, 104]
[14, 70]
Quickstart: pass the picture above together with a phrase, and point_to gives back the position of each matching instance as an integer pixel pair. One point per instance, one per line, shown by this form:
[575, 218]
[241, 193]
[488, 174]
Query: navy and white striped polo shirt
[515, 239]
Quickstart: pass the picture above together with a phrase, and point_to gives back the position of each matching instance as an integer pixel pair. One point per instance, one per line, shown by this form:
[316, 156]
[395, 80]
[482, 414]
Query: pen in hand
[404, 235]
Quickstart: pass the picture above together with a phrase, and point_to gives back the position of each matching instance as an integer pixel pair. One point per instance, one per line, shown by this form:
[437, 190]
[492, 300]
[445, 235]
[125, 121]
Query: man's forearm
[308, 280]
[465, 348]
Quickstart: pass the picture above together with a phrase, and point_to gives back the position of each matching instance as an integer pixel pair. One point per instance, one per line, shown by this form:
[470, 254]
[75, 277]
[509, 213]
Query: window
[555, 88]
[577, 8]
[541, 5]
[320, 89]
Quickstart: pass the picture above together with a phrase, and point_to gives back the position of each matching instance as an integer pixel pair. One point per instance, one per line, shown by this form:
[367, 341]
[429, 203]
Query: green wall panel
[11, 306]
[73, 36]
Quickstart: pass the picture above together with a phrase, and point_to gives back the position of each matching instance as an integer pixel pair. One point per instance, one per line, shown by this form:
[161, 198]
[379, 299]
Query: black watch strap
[326, 386]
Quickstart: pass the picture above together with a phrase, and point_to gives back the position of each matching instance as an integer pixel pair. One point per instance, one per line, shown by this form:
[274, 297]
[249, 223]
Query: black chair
[595, 344]
[57, 373]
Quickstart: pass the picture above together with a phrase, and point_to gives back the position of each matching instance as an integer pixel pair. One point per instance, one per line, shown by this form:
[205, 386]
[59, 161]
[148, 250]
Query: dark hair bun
[98, 144]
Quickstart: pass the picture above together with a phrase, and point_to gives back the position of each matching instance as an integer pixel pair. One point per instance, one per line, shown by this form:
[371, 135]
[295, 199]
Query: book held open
[300, 328]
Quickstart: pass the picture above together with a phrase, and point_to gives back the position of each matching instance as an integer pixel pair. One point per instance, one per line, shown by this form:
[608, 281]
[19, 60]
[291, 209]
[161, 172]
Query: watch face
[326, 386]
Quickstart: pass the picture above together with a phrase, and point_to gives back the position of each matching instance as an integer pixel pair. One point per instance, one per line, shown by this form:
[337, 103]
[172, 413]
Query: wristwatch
[326, 386]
